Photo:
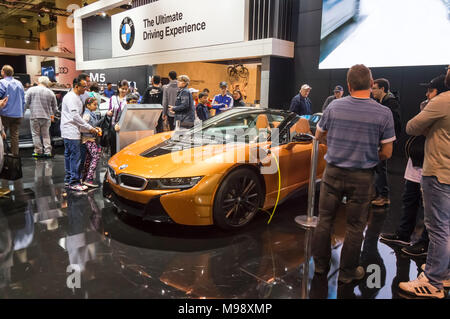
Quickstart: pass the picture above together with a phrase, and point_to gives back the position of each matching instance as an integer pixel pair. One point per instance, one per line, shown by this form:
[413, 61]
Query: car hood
[158, 156]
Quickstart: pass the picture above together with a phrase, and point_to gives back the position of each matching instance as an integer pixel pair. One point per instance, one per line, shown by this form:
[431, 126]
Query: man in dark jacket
[338, 93]
[154, 95]
[381, 92]
[301, 104]
[184, 109]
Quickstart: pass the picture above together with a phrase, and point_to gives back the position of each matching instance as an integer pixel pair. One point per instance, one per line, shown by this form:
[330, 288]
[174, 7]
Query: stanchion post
[306, 268]
[310, 221]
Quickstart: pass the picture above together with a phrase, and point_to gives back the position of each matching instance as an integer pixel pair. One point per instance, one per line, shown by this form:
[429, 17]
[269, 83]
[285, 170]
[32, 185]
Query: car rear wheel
[238, 199]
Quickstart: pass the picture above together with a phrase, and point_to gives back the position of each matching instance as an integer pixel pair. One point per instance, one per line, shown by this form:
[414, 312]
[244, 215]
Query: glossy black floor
[43, 230]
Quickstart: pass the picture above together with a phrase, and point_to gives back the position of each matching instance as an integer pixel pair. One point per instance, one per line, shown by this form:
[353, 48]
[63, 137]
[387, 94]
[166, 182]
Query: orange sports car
[222, 172]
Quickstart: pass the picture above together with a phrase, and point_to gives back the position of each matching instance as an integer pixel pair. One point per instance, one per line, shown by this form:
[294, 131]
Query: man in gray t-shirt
[359, 133]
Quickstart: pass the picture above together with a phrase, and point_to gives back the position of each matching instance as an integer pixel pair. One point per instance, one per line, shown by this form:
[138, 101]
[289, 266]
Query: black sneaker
[358, 274]
[418, 249]
[394, 238]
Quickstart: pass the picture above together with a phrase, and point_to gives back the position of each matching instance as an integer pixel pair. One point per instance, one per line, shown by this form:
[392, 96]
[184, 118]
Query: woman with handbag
[116, 105]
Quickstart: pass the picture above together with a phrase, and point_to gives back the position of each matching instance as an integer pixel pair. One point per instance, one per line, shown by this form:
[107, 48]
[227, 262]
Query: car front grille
[132, 182]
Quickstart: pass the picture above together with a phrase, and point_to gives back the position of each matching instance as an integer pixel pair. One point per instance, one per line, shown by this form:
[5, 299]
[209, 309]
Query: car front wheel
[238, 199]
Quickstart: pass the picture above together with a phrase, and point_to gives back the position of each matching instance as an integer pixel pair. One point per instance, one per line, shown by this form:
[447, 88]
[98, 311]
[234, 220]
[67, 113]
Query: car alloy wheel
[238, 199]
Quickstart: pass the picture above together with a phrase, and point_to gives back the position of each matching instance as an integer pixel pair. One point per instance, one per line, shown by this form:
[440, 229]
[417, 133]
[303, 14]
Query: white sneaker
[422, 288]
[446, 282]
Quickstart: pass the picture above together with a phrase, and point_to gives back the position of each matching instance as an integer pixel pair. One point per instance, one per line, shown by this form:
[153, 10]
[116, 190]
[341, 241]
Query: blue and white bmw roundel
[127, 33]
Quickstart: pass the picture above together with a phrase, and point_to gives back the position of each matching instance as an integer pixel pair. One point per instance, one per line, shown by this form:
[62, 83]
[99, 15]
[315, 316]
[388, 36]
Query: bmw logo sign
[123, 166]
[127, 33]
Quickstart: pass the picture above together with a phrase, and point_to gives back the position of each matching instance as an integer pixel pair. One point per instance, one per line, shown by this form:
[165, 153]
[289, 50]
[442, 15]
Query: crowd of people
[359, 129]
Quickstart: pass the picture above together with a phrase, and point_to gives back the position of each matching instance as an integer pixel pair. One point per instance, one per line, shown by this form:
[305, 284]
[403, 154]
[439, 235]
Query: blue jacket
[16, 97]
[226, 101]
[301, 105]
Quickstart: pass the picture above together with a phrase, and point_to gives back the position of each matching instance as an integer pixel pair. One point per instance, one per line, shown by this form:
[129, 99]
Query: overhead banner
[165, 25]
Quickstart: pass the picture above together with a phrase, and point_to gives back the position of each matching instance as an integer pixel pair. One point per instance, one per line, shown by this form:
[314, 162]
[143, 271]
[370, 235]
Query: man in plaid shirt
[42, 103]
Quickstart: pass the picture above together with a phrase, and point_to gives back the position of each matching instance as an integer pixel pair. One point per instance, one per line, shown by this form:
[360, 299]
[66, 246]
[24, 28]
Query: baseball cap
[222, 84]
[192, 90]
[436, 83]
[306, 87]
[338, 88]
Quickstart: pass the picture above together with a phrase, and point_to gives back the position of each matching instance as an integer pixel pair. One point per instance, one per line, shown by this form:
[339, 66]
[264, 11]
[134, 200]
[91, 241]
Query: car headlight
[173, 183]
[112, 174]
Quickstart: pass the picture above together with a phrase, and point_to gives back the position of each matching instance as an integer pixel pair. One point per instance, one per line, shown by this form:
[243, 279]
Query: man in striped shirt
[42, 104]
[359, 133]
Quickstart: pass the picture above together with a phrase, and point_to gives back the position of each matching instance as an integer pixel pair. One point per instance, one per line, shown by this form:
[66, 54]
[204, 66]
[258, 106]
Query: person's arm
[322, 127]
[22, 92]
[422, 122]
[387, 138]
[293, 105]
[165, 102]
[54, 105]
[231, 103]
[2, 90]
[385, 152]
[27, 100]
[3, 102]
[184, 105]
[78, 120]
[321, 136]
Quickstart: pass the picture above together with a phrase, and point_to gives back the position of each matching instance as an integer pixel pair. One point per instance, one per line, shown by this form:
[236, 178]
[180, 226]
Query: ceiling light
[27, 41]
[23, 20]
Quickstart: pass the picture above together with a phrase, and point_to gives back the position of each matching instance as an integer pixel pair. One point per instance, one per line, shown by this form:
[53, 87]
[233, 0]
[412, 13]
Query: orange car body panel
[194, 206]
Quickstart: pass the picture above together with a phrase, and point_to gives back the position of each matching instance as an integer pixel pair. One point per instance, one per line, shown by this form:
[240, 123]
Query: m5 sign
[98, 77]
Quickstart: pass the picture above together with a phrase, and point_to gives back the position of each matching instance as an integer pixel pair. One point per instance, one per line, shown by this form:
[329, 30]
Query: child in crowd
[201, 108]
[93, 149]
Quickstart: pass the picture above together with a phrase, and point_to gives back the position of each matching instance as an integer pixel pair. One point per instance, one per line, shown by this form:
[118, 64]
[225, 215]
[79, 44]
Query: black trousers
[412, 201]
[381, 179]
[357, 186]
[171, 121]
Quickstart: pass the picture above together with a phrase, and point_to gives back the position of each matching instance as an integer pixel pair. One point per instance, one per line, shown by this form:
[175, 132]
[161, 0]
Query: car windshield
[237, 125]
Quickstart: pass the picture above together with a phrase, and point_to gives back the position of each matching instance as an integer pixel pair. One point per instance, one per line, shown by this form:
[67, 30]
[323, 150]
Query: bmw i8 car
[222, 172]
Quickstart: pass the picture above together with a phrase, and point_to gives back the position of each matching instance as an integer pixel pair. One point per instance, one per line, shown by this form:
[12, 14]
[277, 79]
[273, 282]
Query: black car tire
[238, 199]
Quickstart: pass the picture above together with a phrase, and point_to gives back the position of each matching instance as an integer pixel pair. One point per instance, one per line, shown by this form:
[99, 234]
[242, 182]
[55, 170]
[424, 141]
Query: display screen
[384, 33]
[48, 70]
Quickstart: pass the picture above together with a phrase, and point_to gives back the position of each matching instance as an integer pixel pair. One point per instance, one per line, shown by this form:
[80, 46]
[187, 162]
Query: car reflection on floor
[43, 230]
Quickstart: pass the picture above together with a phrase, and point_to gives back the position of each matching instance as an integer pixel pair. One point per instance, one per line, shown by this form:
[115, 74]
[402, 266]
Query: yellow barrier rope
[279, 190]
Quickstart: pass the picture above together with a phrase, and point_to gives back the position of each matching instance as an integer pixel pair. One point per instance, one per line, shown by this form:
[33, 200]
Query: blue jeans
[72, 159]
[436, 197]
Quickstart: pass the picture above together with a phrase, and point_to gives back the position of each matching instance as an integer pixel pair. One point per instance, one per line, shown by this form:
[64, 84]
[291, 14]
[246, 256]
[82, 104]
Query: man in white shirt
[71, 124]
